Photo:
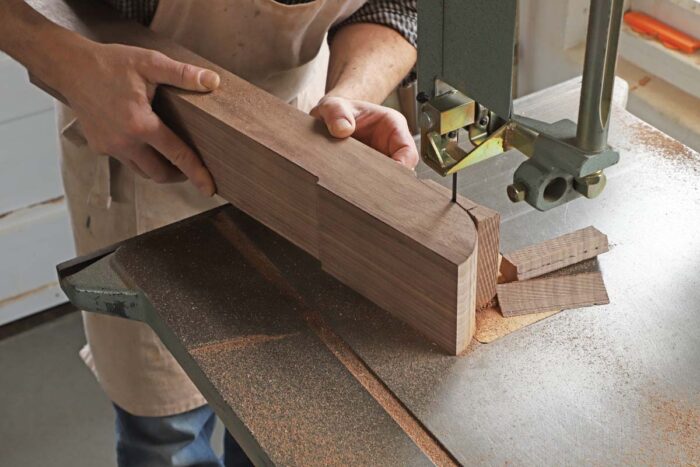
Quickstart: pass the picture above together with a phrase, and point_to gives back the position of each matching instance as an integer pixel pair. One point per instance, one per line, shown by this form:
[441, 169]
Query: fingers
[401, 145]
[407, 155]
[338, 115]
[158, 68]
[154, 166]
[181, 156]
[386, 130]
[135, 168]
[380, 127]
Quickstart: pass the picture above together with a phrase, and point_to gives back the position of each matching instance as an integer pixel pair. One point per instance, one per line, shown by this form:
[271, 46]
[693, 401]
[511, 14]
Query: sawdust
[676, 425]
[640, 84]
[670, 148]
[430, 446]
[681, 421]
[491, 325]
[427, 443]
[236, 343]
[238, 239]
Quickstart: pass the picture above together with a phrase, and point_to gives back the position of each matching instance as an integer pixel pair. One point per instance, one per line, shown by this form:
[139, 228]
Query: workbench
[302, 370]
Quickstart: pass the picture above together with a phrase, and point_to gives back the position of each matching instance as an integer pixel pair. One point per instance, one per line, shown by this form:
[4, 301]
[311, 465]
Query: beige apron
[280, 48]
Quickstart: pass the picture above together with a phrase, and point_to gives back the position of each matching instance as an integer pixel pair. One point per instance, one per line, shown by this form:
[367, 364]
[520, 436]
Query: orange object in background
[667, 35]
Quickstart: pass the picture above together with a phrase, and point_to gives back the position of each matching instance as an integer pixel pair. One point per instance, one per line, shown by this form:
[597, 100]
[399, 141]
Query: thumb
[337, 114]
[161, 69]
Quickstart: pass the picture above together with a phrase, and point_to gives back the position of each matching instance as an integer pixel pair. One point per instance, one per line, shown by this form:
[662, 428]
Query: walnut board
[369, 221]
[549, 293]
[550, 255]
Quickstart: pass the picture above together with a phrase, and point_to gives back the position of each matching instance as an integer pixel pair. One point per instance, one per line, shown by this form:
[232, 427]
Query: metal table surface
[610, 385]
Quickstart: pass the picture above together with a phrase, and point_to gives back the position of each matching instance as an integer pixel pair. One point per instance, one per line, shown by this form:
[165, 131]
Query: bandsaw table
[302, 370]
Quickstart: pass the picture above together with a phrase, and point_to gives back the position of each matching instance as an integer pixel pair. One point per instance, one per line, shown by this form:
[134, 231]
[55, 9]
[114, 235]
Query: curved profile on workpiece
[369, 221]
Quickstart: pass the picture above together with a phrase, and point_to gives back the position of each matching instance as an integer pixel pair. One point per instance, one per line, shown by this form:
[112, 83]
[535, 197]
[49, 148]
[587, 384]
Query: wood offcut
[545, 294]
[557, 253]
[370, 222]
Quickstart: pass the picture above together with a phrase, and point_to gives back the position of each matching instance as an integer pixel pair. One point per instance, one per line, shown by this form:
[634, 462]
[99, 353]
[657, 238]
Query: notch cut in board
[550, 255]
[279, 166]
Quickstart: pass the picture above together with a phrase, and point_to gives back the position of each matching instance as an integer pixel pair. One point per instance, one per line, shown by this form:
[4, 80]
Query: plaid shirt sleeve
[400, 15]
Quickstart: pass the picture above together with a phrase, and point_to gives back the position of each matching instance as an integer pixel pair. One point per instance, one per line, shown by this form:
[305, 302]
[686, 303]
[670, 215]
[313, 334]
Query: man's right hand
[110, 88]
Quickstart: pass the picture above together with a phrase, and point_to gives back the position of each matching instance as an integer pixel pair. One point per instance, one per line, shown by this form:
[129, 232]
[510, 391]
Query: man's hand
[367, 61]
[110, 89]
[380, 127]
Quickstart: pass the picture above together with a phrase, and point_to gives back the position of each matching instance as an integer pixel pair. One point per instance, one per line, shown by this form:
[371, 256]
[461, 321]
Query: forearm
[367, 61]
[37, 43]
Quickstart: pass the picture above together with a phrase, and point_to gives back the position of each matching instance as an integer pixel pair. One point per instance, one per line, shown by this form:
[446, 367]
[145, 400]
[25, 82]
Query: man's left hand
[382, 128]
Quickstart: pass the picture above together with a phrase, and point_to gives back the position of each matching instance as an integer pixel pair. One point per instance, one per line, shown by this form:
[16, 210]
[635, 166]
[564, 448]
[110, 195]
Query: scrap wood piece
[550, 255]
[488, 228]
[279, 166]
[558, 291]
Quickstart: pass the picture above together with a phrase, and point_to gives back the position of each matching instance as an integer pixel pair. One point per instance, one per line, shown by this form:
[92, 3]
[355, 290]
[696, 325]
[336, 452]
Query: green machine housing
[465, 89]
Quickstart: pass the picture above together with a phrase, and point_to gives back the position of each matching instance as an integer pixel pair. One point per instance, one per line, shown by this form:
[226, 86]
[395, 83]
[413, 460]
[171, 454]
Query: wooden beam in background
[368, 220]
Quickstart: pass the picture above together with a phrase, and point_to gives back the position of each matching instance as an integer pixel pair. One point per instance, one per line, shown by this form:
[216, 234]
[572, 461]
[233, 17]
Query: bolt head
[593, 179]
[592, 185]
[516, 192]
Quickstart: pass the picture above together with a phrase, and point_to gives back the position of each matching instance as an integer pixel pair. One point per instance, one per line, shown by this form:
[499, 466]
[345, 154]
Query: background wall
[664, 84]
[34, 227]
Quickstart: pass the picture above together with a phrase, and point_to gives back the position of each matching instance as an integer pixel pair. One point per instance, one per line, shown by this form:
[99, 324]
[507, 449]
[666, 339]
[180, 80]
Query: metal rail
[598, 75]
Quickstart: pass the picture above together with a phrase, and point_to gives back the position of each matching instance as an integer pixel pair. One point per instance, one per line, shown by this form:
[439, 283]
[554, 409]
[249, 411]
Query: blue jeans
[175, 440]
